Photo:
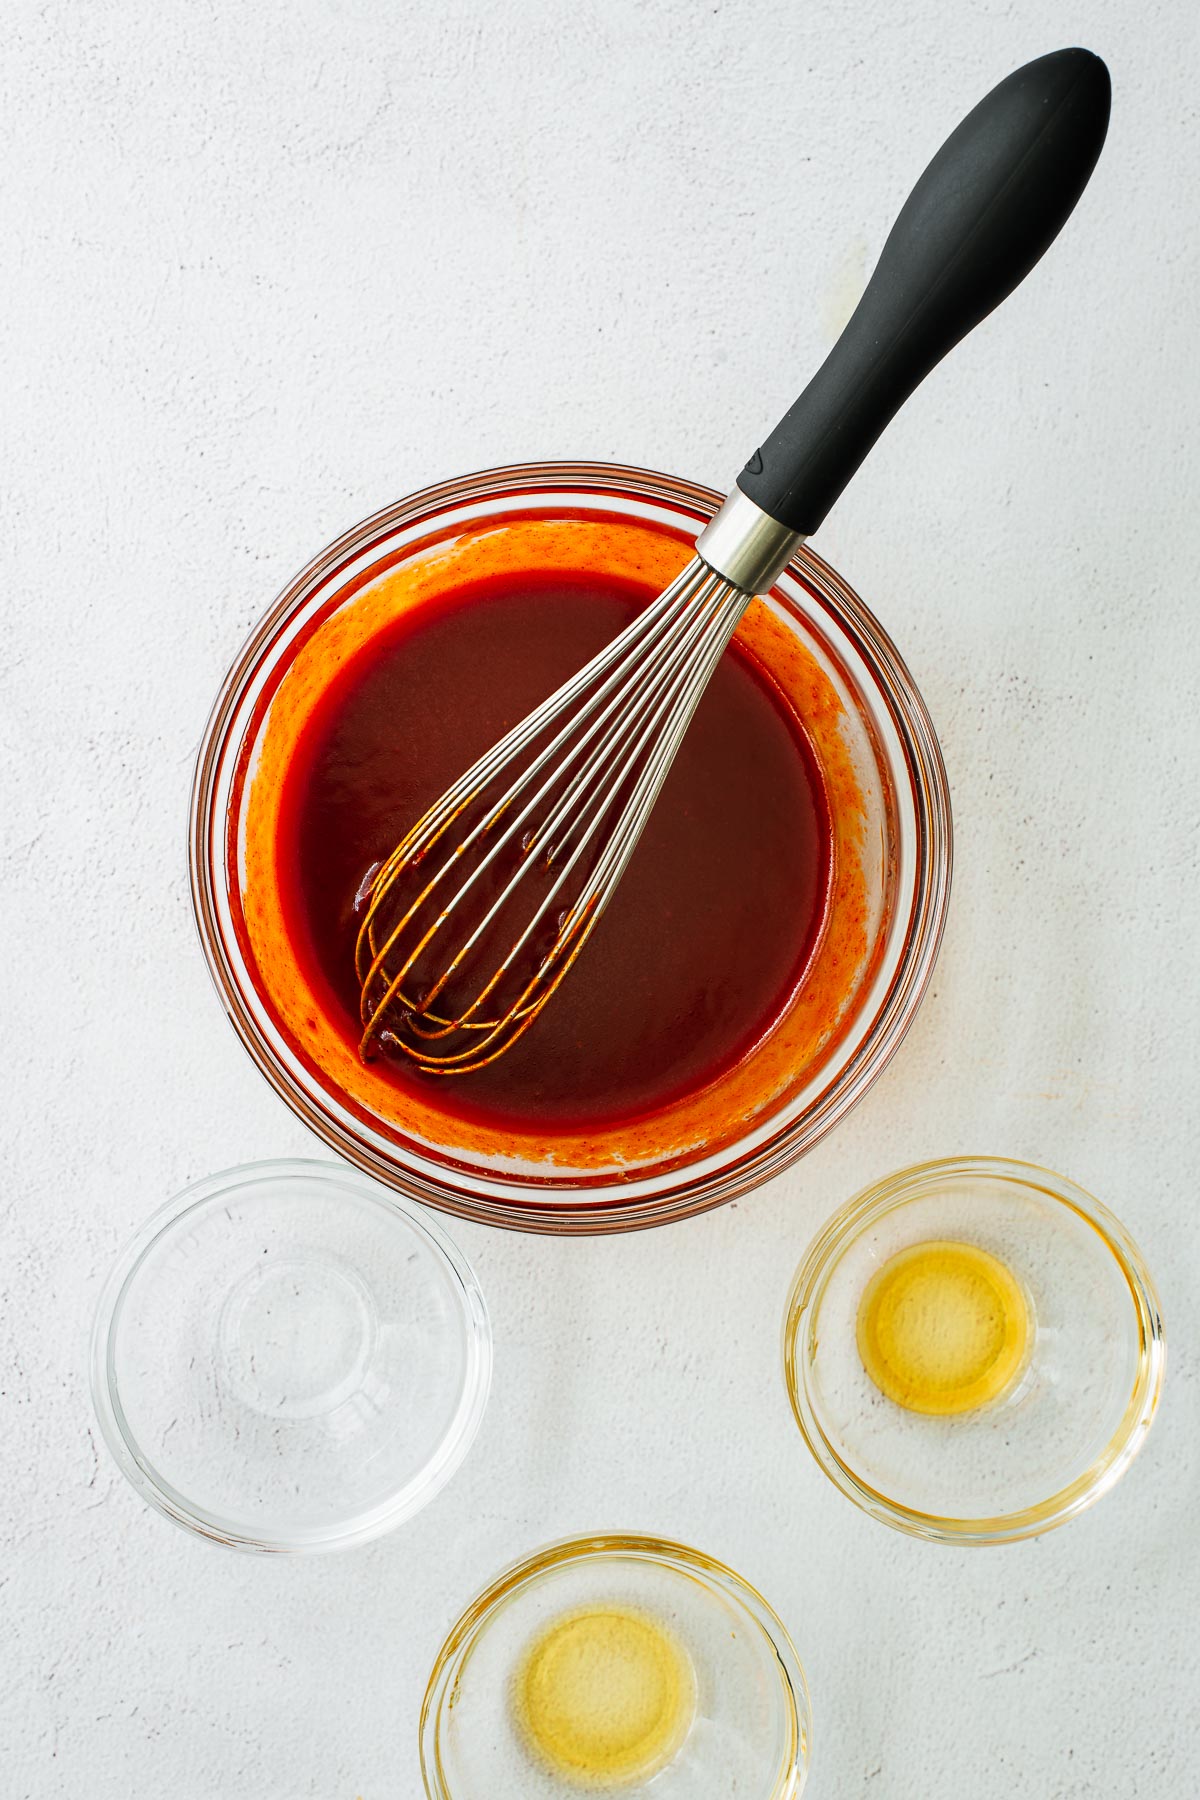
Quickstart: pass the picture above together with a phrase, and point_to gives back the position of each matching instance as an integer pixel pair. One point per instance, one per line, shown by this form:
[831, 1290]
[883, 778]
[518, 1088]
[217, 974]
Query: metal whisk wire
[619, 723]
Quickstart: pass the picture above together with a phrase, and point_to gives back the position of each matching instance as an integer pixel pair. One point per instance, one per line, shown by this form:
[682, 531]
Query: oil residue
[943, 1328]
[605, 1696]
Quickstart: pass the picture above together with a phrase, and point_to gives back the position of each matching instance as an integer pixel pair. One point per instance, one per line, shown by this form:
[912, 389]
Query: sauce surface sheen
[713, 922]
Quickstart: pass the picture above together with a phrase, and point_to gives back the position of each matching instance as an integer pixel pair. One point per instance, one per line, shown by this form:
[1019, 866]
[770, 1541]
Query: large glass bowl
[903, 839]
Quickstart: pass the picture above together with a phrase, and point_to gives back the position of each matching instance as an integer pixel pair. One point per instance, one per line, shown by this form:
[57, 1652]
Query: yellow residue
[605, 1696]
[943, 1328]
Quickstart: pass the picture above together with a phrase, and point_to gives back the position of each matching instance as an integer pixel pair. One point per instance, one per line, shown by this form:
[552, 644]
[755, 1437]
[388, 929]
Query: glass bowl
[748, 1727]
[1078, 1404]
[899, 836]
[286, 1357]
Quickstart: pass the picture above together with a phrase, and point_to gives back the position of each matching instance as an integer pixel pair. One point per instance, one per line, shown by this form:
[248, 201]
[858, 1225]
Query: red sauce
[710, 930]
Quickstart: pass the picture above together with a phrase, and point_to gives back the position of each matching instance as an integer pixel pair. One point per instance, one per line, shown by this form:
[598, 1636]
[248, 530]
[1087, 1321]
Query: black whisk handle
[990, 203]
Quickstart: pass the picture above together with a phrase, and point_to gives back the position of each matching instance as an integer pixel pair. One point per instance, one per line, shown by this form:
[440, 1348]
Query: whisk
[459, 952]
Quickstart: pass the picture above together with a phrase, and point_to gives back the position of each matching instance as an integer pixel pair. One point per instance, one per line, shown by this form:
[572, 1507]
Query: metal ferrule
[746, 545]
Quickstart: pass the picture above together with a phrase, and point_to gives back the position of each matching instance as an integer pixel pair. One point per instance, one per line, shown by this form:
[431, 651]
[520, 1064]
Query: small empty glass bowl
[685, 1637]
[1082, 1366]
[287, 1357]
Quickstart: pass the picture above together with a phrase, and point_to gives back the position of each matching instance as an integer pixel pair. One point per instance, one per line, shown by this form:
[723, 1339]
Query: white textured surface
[270, 266]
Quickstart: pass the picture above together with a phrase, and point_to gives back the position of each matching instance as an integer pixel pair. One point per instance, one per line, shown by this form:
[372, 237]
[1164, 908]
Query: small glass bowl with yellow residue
[973, 1350]
[622, 1665]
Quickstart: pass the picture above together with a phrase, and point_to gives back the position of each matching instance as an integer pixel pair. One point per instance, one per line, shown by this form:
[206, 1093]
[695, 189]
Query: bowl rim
[845, 1225]
[140, 1471]
[459, 1641]
[615, 1202]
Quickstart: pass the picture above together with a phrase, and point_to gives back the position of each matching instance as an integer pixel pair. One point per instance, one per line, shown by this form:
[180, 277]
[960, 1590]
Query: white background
[270, 266]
